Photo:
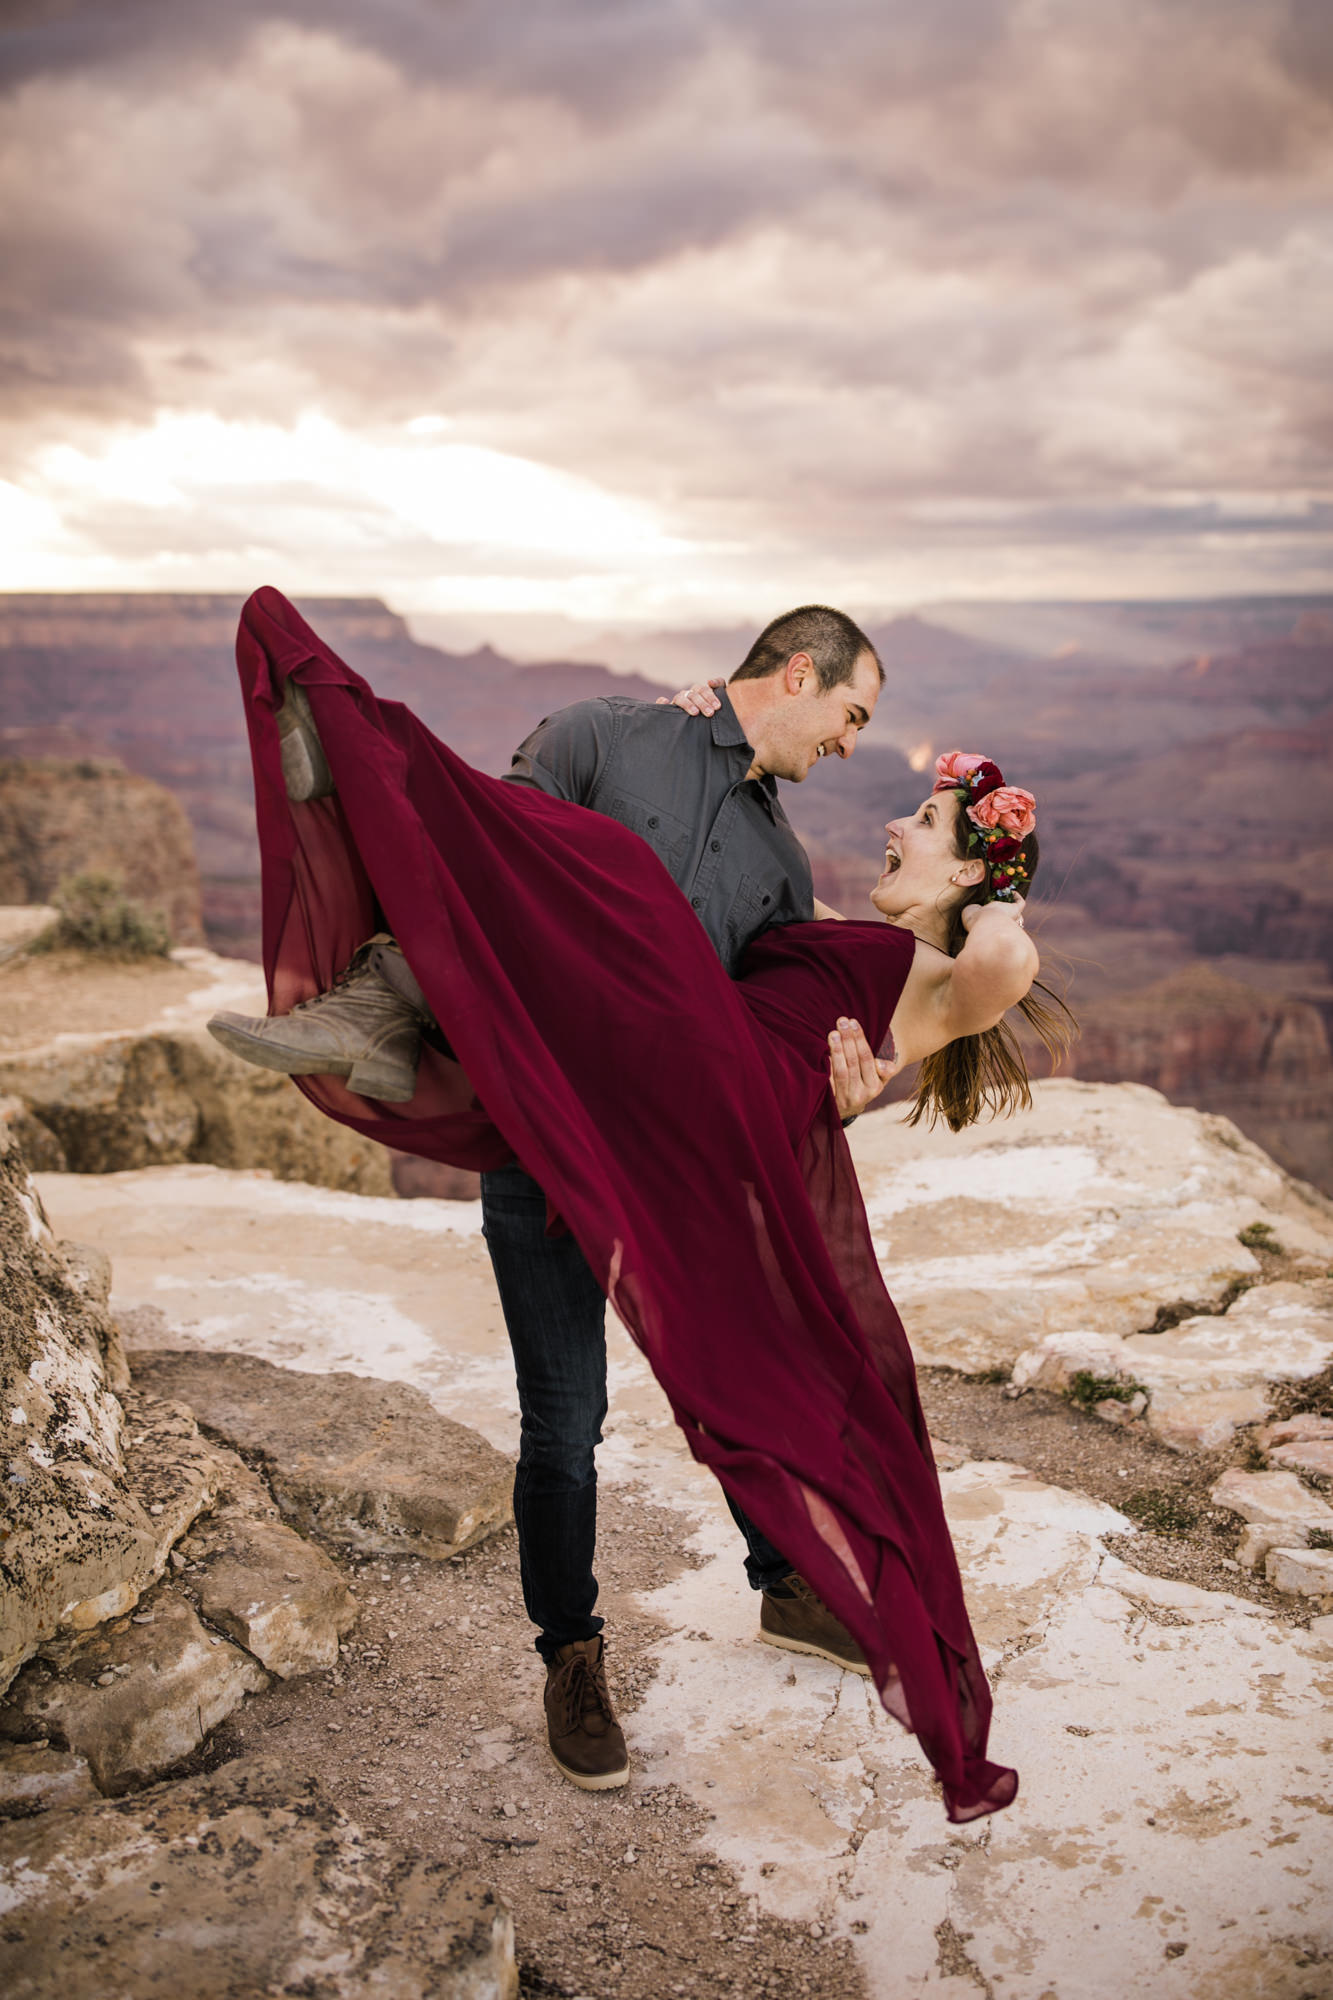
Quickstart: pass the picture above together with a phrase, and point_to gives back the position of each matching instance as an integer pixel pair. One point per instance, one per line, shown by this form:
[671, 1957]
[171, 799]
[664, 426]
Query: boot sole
[587, 1781]
[815, 1652]
[383, 1086]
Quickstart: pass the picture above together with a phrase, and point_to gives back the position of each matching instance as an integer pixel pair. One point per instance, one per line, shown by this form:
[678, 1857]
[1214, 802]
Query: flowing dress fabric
[680, 1122]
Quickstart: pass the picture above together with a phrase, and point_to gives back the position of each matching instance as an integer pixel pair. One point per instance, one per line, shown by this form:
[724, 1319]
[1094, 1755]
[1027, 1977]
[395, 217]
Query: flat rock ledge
[235, 1885]
[369, 1465]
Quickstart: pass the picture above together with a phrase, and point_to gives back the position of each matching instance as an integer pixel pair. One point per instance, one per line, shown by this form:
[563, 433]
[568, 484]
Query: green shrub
[95, 915]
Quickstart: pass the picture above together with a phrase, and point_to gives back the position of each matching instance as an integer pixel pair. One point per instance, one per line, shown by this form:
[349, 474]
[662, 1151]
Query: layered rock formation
[1174, 1706]
[108, 1068]
[59, 819]
[1259, 1057]
[149, 1582]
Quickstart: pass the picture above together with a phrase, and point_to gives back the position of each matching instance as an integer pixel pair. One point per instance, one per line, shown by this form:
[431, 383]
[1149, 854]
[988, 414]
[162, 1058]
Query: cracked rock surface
[242, 1883]
[1171, 1714]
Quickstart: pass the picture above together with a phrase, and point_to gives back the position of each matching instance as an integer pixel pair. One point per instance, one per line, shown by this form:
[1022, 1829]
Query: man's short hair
[834, 642]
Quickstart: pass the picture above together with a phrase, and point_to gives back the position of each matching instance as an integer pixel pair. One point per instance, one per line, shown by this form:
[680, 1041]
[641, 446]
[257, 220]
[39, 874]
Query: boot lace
[585, 1688]
[357, 963]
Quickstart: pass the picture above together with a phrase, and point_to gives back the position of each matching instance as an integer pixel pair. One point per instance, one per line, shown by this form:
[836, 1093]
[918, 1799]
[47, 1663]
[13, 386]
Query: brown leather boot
[586, 1741]
[803, 1623]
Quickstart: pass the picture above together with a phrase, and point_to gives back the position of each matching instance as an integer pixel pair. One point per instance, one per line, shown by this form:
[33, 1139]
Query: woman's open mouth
[892, 861]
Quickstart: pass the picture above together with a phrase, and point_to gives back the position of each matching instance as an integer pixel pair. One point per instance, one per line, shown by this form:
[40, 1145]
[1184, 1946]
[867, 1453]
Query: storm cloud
[918, 297]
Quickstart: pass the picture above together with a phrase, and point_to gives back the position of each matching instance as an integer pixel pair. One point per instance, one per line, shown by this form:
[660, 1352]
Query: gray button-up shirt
[681, 783]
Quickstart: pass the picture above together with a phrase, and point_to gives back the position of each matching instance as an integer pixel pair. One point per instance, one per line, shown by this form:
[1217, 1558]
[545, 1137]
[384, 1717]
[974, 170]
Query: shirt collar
[728, 735]
[727, 731]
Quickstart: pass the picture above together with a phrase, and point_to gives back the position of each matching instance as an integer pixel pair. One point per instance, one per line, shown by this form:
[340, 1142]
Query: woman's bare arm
[946, 998]
[823, 913]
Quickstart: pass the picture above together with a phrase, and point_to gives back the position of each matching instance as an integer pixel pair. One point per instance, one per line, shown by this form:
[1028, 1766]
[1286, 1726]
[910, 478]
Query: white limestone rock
[1095, 1208]
[1271, 1499]
[1058, 1357]
[1205, 1421]
[1314, 1458]
[1306, 1571]
[1256, 1540]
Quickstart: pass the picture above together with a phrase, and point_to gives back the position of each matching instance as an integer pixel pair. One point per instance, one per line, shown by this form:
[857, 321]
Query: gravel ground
[432, 1734]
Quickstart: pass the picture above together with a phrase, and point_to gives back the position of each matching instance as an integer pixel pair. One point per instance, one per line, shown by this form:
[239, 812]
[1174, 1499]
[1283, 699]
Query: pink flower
[1008, 806]
[952, 768]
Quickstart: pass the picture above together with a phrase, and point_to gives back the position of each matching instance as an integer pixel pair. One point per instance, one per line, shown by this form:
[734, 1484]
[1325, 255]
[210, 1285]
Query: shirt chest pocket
[668, 836]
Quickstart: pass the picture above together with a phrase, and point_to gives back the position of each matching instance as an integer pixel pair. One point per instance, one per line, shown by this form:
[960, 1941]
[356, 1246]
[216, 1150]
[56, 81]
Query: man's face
[811, 722]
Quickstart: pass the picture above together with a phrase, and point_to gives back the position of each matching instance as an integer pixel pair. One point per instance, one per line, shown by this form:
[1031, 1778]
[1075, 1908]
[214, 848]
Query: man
[704, 797]
[703, 794]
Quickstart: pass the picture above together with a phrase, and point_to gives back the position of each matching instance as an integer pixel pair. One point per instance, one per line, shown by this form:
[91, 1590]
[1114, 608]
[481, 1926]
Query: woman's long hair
[988, 1072]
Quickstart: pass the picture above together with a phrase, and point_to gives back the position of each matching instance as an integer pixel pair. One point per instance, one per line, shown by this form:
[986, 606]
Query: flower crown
[1002, 817]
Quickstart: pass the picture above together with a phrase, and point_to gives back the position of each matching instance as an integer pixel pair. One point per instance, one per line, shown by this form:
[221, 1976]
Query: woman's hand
[857, 1076]
[696, 700]
[976, 911]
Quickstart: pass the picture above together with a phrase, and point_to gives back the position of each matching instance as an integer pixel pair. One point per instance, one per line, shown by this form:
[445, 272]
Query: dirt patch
[1183, 1535]
[66, 993]
[431, 1733]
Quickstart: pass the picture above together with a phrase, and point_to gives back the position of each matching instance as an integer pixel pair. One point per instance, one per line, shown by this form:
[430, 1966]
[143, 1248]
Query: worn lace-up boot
[586, 1741]
[367, 1028]
[305, 768]
[793, 1618]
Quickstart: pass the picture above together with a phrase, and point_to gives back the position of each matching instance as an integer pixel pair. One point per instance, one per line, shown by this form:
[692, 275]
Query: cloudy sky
[666, 311]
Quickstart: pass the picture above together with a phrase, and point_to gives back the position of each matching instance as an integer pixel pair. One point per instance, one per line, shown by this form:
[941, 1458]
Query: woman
[592, 1033]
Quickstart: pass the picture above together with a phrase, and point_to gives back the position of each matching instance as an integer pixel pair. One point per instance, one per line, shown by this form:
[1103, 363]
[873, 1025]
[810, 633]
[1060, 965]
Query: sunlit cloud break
[653, 313]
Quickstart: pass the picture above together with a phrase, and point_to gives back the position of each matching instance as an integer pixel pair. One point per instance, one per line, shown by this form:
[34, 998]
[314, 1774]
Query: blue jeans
[556, 1315]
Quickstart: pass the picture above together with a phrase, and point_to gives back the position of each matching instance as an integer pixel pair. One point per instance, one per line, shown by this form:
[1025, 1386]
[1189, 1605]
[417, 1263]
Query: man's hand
[855, 1072]
[696, 700]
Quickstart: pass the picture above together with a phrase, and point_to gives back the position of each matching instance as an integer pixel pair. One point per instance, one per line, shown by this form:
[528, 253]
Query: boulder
[1271, 1500]
[1306, 1571]
[135, 1697]
[275, 1594]
[1280, 1332]
[1205, 1421]
[1096, 1208]
[1303, 1427]
[1315, 1459]
[1257, 1540]
[246, 1882]
[368, 1464]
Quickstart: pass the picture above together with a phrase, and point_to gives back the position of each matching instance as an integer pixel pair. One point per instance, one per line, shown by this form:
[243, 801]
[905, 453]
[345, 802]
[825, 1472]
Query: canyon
[1185, 902]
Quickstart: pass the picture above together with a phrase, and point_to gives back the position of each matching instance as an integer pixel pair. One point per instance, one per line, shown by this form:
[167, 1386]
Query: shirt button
[767, 901]
[695, 902]
[652, 822]
[716, 846]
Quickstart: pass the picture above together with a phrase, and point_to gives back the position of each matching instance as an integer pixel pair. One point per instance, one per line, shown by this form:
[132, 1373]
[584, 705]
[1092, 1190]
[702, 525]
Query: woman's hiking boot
[366, 1028]
[587, 1743]
[791, 1616]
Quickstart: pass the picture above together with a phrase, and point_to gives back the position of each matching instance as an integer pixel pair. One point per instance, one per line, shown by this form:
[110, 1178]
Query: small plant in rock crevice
[1260, 1236]
[1320, 1538]
[1086, 1389]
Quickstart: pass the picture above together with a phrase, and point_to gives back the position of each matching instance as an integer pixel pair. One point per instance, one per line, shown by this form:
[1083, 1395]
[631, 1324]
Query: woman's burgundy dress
[681, 1123]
